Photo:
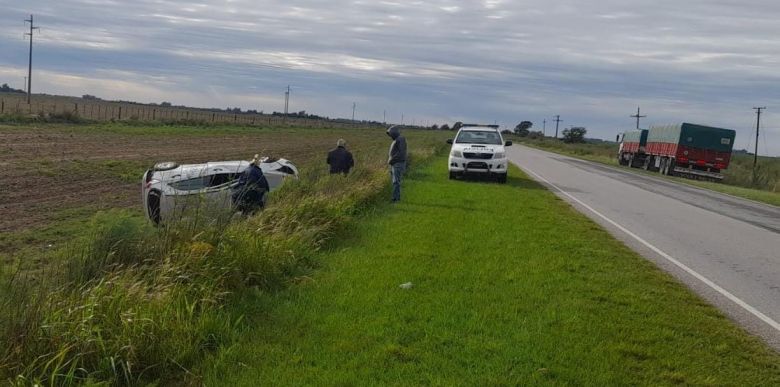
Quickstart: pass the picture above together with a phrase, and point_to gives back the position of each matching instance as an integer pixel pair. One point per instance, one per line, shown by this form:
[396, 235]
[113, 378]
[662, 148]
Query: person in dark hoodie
[249, 193]
[340, 159]
[397, 160]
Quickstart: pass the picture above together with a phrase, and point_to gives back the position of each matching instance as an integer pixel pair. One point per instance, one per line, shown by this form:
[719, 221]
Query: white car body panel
[209, 185]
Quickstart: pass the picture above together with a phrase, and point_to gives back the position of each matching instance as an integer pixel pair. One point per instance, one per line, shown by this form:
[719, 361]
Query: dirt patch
[51, 168]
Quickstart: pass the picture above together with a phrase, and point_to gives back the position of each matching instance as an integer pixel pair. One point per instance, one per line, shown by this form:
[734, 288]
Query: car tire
[502, 178]
[452, 175]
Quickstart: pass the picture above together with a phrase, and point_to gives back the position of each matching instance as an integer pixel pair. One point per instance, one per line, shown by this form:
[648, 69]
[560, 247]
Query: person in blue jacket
[340, 159]
[249, 193]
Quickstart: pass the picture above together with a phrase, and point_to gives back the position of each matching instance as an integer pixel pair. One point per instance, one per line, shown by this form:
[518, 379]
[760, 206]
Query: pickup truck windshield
[478, 137]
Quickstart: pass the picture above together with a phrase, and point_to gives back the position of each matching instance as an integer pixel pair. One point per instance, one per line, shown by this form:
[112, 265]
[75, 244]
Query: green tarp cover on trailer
[695, 136]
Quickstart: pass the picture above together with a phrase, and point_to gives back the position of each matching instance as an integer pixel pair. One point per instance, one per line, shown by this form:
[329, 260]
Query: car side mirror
[508, 143]
[449, 141]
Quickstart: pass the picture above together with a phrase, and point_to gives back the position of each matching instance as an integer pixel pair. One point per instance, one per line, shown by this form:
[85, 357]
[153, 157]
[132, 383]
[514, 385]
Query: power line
[29, 63]
[637, 116]
[558, 120]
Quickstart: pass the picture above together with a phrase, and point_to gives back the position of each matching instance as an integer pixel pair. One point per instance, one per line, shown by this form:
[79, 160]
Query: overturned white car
[170, 189]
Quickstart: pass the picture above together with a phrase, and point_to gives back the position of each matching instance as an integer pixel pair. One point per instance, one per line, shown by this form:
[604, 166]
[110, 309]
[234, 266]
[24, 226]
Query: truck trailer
[689, 150]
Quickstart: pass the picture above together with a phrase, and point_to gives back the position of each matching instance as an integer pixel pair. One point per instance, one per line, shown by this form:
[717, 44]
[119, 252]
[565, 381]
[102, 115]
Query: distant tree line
[8, 89]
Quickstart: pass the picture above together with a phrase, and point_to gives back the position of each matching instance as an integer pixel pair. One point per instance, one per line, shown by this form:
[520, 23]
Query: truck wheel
[452, 175]
[502, 178]
[648, 163]
[670, 168]
[663, 165]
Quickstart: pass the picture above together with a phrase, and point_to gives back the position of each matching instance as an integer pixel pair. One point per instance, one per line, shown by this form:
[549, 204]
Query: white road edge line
[774, 324]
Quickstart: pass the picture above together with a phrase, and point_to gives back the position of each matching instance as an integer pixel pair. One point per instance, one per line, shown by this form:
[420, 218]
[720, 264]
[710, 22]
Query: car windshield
[478, 137]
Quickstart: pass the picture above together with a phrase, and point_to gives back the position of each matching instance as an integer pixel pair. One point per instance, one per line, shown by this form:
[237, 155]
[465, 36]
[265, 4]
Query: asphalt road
[725, 248]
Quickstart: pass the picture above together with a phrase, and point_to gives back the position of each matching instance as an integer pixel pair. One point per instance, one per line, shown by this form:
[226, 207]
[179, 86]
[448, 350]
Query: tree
[574, 135]
[166, 104]
[457, 126]
[445, 127]
[435, 127]
[522, 128]
[535, 134]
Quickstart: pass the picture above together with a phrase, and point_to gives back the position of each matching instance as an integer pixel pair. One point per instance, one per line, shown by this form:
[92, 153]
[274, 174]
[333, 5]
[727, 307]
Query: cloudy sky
[594, 62]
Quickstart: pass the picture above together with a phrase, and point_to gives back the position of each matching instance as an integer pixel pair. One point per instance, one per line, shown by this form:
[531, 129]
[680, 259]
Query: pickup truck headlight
[499, 155]
[456, 153]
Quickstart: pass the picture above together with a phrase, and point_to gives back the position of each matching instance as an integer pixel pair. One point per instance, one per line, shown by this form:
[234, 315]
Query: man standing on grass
[340, 159]
[397, 160]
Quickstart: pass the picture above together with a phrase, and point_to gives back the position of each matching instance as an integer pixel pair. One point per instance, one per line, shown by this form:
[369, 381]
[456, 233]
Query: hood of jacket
[394, 132]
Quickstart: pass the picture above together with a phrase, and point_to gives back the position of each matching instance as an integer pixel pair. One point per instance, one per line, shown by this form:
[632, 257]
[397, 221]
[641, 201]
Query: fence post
[2, 106]
[154, 114]
[120, 112]
[212, 117]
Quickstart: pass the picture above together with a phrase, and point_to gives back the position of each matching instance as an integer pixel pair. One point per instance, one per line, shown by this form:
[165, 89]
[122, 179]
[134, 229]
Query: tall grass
[131, 304]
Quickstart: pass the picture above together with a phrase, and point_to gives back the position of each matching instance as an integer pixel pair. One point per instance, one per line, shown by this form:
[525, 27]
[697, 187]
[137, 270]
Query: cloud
[592, 62]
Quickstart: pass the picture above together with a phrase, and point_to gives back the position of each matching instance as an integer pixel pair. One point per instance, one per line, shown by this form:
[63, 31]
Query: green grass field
[737, 181]
[510, 287]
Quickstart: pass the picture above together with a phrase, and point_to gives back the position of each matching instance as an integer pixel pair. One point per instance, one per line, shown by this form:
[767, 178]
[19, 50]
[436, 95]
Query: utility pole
[353, 111]
[544, 127]
[637, 116]
[29, 63]
[755, 154]
[402, 118]
[558, 120]
[25, 84]
[384, 116]
[286, 101]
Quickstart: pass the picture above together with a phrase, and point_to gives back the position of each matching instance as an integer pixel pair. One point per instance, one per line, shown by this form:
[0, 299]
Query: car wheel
[502, 178]
[452, 175]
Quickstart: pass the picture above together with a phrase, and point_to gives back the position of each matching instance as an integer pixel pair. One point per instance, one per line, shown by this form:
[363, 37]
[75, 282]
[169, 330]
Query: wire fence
[97, 110]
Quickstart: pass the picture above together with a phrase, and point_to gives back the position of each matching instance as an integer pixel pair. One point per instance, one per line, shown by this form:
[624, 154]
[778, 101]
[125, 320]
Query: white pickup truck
[478, 150]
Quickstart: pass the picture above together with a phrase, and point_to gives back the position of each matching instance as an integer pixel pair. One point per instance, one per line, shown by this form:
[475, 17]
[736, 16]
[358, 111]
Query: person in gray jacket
[397, 160]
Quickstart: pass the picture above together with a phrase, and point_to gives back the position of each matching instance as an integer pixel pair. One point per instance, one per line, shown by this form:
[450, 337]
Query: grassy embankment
[510, 287]
[738, 179]
[126, 303]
